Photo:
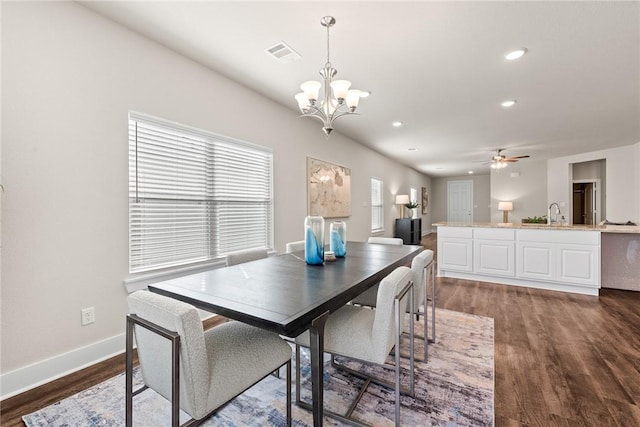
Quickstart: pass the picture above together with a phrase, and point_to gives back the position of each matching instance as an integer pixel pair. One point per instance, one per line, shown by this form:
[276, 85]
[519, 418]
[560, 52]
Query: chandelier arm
[314, 111]
[335, 116]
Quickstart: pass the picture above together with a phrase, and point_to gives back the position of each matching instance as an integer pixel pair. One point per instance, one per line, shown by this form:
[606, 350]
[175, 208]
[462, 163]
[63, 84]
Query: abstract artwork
[329, 189]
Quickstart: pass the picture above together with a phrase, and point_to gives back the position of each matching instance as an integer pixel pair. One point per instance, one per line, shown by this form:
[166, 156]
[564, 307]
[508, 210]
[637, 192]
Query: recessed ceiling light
[470, 172]
[509, 103]
[412, 149]
[397, 124]
[365, 93]
[515, 54]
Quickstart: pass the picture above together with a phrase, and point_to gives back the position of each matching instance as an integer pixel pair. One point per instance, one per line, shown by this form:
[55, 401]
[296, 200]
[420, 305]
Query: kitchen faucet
[555, 217]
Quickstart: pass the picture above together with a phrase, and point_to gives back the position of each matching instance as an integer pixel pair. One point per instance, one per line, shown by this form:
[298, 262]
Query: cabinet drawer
[559, 236]
[457, 232]
[494, 234]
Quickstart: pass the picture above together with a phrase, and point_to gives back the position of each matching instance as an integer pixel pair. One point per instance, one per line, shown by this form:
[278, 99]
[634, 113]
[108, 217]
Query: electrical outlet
[88, 316]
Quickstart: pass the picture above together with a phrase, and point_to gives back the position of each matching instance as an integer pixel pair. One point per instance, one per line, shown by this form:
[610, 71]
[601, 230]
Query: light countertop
[602, 228]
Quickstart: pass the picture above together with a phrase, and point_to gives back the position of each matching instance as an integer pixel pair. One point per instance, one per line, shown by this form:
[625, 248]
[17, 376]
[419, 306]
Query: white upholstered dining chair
[201, 370]
[368, 297]
[294, 246]
[422, 268]
[368, 335]
[246, 255]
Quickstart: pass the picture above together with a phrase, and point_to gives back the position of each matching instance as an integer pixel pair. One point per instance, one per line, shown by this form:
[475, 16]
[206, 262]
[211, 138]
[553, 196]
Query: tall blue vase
[314, 240]
[338, 238]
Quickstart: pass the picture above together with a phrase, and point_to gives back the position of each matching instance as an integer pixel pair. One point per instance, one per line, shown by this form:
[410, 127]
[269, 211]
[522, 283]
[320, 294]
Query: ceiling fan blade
[518, 157]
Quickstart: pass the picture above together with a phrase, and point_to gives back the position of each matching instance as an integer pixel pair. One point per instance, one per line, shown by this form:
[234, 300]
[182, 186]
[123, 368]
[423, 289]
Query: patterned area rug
[455, 388]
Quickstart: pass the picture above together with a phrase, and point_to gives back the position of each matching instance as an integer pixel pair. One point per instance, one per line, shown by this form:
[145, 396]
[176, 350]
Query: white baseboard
[37, 374]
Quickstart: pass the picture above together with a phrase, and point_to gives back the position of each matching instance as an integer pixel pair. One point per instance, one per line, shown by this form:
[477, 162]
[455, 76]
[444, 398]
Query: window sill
[139, 281]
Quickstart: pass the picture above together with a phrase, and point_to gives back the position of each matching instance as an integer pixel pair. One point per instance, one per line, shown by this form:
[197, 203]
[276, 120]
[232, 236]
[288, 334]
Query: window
[377, 217]
[194, 196]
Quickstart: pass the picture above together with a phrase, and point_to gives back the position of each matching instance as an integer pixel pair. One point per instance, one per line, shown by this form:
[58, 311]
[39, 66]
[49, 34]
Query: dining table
[283, 294]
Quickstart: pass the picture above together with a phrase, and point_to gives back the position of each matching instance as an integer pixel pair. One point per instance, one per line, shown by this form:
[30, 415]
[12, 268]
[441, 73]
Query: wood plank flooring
[560, 359]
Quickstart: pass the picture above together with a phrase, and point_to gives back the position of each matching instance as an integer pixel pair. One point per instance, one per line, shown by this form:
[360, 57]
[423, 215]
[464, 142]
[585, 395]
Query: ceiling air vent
[283, 53]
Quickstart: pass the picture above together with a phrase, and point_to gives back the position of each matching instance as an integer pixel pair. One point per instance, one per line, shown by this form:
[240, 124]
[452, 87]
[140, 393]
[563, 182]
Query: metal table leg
[316, 337]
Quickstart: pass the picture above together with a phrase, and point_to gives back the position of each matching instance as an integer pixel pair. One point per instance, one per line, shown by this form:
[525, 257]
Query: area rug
[455, 388]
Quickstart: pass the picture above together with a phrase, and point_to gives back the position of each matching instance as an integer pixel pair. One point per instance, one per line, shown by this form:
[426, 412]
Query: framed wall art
[328, 189]
[425, 201]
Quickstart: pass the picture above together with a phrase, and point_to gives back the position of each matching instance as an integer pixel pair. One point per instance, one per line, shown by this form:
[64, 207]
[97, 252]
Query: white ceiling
[436, 66]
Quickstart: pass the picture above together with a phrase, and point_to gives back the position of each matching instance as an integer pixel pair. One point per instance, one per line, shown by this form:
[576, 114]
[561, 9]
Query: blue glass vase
[314, 240]
[338, 238]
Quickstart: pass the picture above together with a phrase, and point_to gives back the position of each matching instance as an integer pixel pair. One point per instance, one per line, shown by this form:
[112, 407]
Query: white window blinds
[194, 196]
[377, 219]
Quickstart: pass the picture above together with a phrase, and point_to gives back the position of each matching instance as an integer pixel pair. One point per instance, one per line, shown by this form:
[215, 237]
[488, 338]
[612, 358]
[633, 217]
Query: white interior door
[460, 201]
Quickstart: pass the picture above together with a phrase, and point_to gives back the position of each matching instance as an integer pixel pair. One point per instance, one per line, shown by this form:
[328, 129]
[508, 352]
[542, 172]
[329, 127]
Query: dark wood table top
[282, 293]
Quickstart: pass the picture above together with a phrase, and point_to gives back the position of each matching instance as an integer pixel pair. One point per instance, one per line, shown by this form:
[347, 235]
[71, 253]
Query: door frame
[598, 201]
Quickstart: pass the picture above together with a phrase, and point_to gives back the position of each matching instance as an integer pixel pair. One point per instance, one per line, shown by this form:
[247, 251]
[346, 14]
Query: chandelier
[338, 100]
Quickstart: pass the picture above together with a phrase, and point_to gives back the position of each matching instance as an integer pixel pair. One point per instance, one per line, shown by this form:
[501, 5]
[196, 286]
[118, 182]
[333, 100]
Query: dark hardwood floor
[560, 359]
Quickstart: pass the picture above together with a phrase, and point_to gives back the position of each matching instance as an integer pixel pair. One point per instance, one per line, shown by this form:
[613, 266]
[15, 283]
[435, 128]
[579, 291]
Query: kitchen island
[564, 258]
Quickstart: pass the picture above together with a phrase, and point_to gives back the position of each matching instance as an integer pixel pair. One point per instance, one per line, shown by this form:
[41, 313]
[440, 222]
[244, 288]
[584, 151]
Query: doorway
[460, 201]
[586, 202]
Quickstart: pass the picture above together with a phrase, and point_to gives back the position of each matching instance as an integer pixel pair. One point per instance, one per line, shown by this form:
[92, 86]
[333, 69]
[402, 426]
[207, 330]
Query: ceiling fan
[499, 160]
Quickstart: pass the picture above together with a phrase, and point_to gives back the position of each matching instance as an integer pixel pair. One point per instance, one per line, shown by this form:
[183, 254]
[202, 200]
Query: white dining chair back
[386, 240]
[247, 255]
[368, 297]
[294, 246]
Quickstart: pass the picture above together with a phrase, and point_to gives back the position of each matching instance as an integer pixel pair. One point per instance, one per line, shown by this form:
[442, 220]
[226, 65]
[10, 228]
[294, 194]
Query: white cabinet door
[579, 264]
[536, 260]
[455, 254]
[494, 257]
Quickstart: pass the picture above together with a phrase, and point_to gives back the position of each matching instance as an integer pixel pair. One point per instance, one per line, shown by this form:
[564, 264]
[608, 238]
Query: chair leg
[343, 418]
[298, 375]
[289, 393]
[433, 301]
[129, 375]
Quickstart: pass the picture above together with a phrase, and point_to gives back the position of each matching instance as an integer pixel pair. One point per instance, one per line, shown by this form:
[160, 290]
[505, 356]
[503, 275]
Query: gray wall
[69, 79]
[523, 183]
[481, 197]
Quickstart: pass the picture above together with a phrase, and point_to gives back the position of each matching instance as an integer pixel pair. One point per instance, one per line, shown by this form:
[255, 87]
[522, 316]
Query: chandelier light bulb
[340, 89]
[311, 90]
[303, 101]
[353, 98]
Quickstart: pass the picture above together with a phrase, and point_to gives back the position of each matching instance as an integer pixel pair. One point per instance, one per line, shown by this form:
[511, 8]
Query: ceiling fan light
[498, 164]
